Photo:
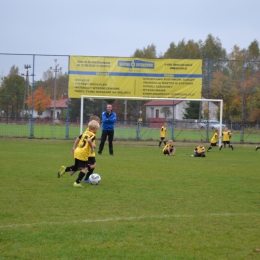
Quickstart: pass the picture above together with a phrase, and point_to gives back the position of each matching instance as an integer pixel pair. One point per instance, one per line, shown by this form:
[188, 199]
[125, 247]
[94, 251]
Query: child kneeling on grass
[199, 151]
[169, 148]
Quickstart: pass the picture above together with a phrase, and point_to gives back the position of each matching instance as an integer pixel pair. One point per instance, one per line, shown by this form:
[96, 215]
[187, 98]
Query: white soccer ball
[94, 179]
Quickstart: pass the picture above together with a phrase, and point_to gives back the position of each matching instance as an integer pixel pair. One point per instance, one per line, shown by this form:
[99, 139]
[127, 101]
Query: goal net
[142, 128]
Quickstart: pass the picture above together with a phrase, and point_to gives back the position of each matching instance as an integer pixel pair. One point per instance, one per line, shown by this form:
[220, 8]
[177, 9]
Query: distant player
[226, 136]
[213, 140]
[199, 151]
[162, 135]
[169, 148]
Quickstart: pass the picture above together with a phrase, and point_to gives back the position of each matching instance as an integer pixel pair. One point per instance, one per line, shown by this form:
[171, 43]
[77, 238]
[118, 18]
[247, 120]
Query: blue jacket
[108, 120]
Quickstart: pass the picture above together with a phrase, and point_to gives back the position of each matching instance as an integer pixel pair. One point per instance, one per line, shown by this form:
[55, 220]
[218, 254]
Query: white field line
[127, 219]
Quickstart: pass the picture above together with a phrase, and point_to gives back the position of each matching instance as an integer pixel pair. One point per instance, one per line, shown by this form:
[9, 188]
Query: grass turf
[148, 206]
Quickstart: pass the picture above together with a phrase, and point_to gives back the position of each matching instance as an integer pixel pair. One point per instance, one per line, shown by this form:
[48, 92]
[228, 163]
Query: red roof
[162, 102]
[59, 103]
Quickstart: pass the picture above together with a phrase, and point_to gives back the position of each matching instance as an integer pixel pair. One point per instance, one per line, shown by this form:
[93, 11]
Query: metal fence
[179, 131]
[222, 79]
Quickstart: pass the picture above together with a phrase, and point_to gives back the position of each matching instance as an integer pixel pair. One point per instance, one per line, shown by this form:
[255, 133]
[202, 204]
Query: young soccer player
[84, 153]
[214, 139]
[72, 169]
[91, 169]
[169, 148]
[162, 135]
[226, 139]
[199, 151]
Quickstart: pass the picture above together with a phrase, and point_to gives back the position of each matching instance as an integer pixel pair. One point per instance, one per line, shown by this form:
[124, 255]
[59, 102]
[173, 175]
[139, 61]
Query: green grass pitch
[147, 206]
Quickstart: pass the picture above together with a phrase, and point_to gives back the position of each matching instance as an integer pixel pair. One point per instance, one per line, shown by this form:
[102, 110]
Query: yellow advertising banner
[134, 77]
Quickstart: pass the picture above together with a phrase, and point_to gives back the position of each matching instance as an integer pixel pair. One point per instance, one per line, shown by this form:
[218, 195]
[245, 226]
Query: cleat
[99, 152]
[86, 181]
[256, 148]
[62, 171]
[72, 172]
[77, 185]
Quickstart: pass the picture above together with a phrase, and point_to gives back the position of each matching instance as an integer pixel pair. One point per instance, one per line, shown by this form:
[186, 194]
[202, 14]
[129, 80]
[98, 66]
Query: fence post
[243, 103]
[67, 120]
[138, 132]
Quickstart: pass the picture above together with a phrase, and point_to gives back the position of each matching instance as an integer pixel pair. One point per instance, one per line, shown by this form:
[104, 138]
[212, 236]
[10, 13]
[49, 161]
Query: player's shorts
[81, 164]
[213, 144]
[162, 138]
[199, 155]
[91, 160]
[167, 152]
[226, 142]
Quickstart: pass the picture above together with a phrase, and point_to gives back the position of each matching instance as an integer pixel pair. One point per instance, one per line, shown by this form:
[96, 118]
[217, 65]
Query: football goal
[83, 97]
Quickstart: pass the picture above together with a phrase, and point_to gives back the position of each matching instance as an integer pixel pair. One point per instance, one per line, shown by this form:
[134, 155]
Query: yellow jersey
[84, 150]
[226, 135]
[200, 149]
[214, 138]
[170, 146]
[163, 131]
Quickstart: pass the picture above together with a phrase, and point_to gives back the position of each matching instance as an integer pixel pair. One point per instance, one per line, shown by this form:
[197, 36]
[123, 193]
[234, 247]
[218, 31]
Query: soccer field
[147, 206]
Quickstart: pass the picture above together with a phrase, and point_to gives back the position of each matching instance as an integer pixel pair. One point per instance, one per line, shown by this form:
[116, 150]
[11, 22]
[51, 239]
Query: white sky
[117, 27]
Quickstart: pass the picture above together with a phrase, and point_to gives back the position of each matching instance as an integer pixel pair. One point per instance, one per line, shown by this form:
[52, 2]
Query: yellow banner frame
[135, 77]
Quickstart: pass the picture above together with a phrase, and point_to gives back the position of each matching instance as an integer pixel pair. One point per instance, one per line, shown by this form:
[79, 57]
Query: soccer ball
[94, 179]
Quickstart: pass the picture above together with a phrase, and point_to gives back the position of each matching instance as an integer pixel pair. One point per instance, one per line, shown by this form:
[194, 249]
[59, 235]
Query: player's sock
[160, 144]
[256, 148]
[231, 146]
[209, 149]
[90, 171]
[220, 147]
[80, 177]
[71, 168]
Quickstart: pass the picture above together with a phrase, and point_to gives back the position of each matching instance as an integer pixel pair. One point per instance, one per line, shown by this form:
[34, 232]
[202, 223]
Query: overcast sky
[118, 27]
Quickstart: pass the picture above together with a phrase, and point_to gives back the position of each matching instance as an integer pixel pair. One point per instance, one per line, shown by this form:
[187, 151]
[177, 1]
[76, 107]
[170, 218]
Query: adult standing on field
[108, 124]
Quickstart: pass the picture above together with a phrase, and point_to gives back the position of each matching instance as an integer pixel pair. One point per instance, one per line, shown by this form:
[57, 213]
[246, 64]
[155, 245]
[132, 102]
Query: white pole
[81, 114]
[220, 121]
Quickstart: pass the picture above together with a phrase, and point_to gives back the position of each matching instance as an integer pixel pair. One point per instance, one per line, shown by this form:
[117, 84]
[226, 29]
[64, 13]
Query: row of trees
[233, 77]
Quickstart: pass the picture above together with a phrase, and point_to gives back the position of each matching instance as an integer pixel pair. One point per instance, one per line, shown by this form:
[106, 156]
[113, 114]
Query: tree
[192, 110]
[148, 53]
[221, 88]
[189, 50]
[12, 93]
[166, 111]
[211, 48]
[41, 101]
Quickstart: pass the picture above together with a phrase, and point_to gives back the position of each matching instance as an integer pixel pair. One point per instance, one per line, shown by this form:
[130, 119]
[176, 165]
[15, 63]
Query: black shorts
[81, 164]
[213, 144]
[162, 138]
[91, 160]
[167, 152]
[226, 142]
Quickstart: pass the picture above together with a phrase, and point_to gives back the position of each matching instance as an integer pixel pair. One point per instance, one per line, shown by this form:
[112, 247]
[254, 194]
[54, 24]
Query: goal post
[220, 101]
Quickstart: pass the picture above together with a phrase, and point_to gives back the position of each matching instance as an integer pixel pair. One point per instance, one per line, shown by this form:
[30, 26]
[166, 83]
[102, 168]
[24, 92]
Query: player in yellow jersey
[169, 148]
[199, 151]
[162, 135]
[72, 169]
[213, 140]
[226, 136]
[84, 153]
